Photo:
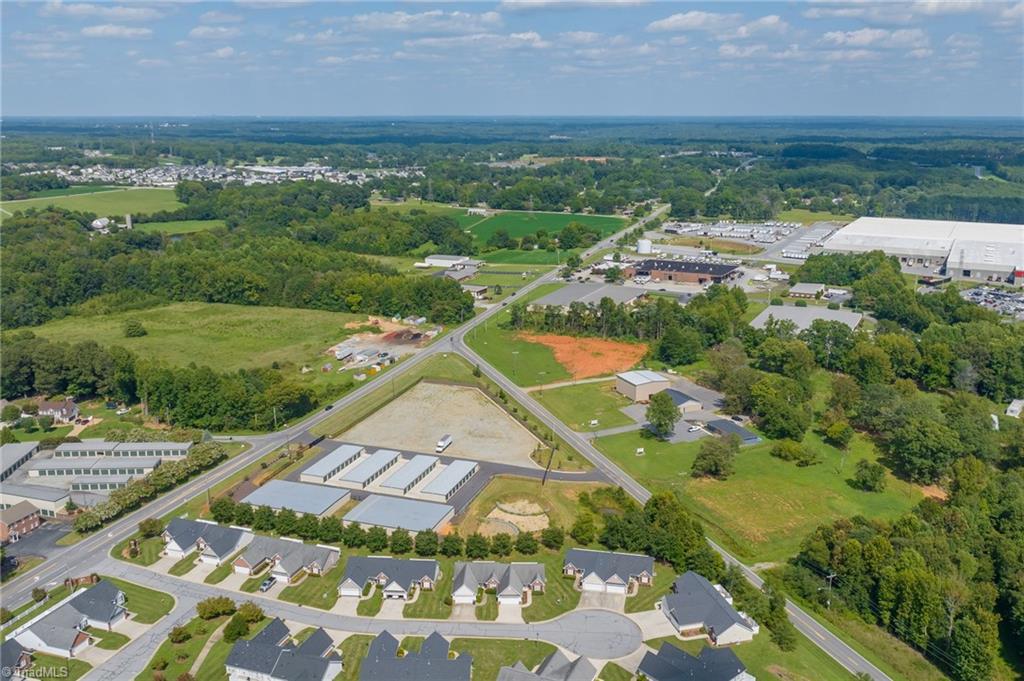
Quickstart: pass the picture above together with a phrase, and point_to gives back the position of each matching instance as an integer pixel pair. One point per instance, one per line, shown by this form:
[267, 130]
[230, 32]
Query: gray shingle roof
[673, 664]
[99, 602]
[220, 540]
[360, 569]
[606, 564]
[10, 653]
[555, 667]
[292, 556]
[431, 663]
[272, 653]
[509, 577]
[59, 628]
[695, 599]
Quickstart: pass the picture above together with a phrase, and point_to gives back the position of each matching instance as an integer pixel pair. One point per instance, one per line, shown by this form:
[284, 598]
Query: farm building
[979, 251]
[640, 385]
[49, 500]
[730, 427]
[328, 466]
[590, 293]
[371, 468]
[478, 292]
[92, 465]
[432, 662]
[460, 274]
[685, 403]
[398, 578]
[18, 520]
[711, 664]
[696, 606]
[806, 290]
[13, 455]
[301, 497]
[512, 583]
[608, 571]
[803, 317]
[272, 655]
[683, 271]
[410, 473]
[450, 480]
[449, 261]
[392, 513]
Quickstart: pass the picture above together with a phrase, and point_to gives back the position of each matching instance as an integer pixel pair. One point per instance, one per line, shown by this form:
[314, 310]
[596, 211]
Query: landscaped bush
[179, 635]
[215, 607]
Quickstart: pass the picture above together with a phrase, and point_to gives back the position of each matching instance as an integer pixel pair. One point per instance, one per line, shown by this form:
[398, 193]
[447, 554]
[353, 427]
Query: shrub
[179, 635]
[5, 615]
[236, 628]
[133, 328]
[788, 450]
[250, 612]
[526, 543]
[801, 303]
[161, 664]
[833, 306]
[501, 544]
[869, 477]
[775, 301]
[552, 537]
[215, 606]
[38, 594]
[151, 527]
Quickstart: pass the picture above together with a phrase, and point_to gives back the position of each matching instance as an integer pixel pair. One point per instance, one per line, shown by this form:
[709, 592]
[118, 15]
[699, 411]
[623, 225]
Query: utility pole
[828, 599]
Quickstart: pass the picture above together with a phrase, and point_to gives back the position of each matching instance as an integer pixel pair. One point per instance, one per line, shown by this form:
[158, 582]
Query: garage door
[509, 600]
[350, 592]
[588, 586]
[616, 588]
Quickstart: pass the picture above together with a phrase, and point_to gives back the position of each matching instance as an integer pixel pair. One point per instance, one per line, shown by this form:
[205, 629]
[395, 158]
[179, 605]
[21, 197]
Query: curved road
[572, 630]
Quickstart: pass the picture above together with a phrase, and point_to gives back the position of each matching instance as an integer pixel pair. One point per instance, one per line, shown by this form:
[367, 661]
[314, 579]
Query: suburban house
[608, 571]
[14, 660]
[271, 655]
[215, 543]
[13, 455]
[61, 630]
[554, 667]
[287, 558]
[640, 385]
[711, 664]
[397, 577]
[512, 582]
[431, 663]
[62, 411]
[696, 607]
[18, 520]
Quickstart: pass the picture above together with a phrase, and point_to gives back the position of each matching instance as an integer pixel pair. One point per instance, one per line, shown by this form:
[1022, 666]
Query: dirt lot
[417, 420]
[586, 357]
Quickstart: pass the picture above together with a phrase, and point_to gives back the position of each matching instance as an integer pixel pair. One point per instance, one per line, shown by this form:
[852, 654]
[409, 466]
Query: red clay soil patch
[586, 357]
[934, 492]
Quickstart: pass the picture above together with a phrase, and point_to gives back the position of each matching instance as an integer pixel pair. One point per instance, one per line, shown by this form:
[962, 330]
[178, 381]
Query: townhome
[397, 578]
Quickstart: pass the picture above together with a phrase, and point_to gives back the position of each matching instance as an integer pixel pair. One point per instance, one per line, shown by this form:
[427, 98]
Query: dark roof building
[608, 571]
[730, 427]
[271, 655]
[554, 667]
[215, 542]
[711, 664]
[14, 660]
[396, 576]
[431, 663]
[681, 270]
[696, 605]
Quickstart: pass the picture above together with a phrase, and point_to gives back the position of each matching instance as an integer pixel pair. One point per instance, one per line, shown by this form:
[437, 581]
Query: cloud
[113, 12]
[921, 53]
[895, 12]
[218, 17]
[579, 37]
[1011, 16]
[730, 51]
[487, 41]
[852, 55]
[340, 60]
[696, 20]
[432, 21]
[152, 63]
[48, 51]
[558, 4]
[963, 41]
[326, 37]
[772, 23]
[222, 53]
[878, 37]
[115, 31]
[271, 4]
[214, 32]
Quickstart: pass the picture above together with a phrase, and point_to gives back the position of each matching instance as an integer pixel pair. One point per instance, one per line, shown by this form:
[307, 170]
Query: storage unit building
[454, 476]
[301, 497]
[326, 467]
[102, 465]
[410, 473]
[14, 455]
[371, 468]
[49, 500]
[392, 513]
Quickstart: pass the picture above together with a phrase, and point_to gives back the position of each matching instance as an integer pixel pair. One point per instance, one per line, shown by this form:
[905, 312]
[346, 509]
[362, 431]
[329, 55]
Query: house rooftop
[694, 599]
[13, 514]
[301, 497]
[672, 664]
[606, 564]
[430, 663]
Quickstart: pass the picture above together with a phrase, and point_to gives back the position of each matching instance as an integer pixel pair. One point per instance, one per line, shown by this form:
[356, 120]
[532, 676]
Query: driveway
[602, 601]
[391, 608]
[653, 624]
[164, 563]
[346, 605]
[234, 581]
[511, 613]
[463, 612]
[199, 572]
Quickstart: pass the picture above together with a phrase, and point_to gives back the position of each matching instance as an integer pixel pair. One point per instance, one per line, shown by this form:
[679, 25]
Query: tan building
[18, 520]
[640, 385]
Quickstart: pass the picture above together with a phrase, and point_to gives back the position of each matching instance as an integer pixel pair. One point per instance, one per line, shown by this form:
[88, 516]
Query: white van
[443, 444]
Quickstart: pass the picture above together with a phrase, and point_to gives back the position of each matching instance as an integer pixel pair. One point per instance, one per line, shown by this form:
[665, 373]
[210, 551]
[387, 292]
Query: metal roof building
[803, 317]
[13, 455]
[371, 468]
[332, 463]
[448, 482]
[49, 500]
[301, 497]
[394, 512]
[92, 465]
[89, 448]
[410, 473]
[590, 293]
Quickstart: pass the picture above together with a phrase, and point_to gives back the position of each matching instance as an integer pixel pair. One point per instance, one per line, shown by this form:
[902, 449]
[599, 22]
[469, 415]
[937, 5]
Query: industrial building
[976, 251]
[99, 483]
[590, 293]
[391, 513]
[451, 479]
[371, 468]
[14, 455]
[683, 271]
[93, 448]
[640, 385]
[49, 500]
[803, 317]
[334, 462]
[93, 465]
[729, 427]
[410, 473]
[301, 497]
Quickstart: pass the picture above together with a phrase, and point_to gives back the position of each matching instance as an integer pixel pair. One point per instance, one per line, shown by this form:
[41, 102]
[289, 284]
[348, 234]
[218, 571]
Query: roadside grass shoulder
[52, 667]
[25, 564]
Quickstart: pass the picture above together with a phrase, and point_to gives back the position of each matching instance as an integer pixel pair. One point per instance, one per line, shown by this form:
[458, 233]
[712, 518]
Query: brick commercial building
[683, 271]
[18, 520]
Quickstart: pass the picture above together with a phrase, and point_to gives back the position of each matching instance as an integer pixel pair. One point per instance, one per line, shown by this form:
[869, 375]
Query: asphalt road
[94, 550]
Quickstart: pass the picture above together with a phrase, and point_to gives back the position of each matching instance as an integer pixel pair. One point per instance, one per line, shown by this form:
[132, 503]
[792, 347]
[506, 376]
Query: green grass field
[52, 667]
[147, 605]
[108, 640]
[768, 505]
[184, 566]
[73, 190]
[808, 217]
[353, 650]
[513, 256]
[458, 213]
[369, 607]
[181, 656]
[576, 405]
[317, 592]
[114, 203]
[646, 597]
[430, 604]
[179, 226]
[520, 223]
[613, 672]
[223, 336]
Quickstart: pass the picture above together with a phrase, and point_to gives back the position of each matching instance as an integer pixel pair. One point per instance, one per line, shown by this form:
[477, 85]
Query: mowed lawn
[223, 336]
[520, 223]
[764, 510]
[179, 226]
[114, 203]
[577, 405]
[524, 362]
[490, 655]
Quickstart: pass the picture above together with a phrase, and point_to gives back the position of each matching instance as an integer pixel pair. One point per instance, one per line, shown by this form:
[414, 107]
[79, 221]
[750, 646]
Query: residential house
[271, 655]
[215, 543]
[512, 582]
[554, 667]
[14, 660]
[711, 664]
[608, 571]
[18, 520]
[62, 411]
[287, 558]
[697, 607]
[431, 663]
[478, 292]
[397, 577]
[61, 630]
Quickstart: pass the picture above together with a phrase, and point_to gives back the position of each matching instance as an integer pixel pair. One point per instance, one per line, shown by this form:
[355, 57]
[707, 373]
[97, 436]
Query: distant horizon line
[462, 117]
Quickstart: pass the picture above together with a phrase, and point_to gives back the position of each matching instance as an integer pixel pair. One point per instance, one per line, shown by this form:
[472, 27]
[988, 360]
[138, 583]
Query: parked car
[329, 407]
[268, 584]
[693, 429]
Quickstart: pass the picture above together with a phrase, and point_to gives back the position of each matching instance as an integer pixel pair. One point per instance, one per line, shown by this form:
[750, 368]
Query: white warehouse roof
[368, 468]
[641, 377]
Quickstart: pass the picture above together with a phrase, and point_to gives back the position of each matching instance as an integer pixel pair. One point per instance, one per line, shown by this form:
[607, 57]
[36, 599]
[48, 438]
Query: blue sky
[513, 57]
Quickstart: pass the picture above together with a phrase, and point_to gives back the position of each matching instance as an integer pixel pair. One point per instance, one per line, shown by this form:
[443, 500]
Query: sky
[513, 57]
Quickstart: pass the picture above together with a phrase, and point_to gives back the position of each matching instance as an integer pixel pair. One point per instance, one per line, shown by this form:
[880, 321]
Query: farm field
[809, 217]
[457, 212]
[514, 256]
[115, 203]
[576, 405]
[224, 336]
[520, 223]
[768, 505]
[73, 191]
[179, 226]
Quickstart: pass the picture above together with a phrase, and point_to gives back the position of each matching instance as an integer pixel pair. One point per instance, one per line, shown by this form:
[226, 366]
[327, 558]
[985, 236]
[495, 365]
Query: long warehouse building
[973, 251]
[334, 462]
[447, 483]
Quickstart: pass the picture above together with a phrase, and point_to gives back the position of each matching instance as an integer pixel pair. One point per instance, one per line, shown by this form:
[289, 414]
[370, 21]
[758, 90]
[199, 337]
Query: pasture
[113, 203]
[179, 226]
[521, 223]
[577, 405]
